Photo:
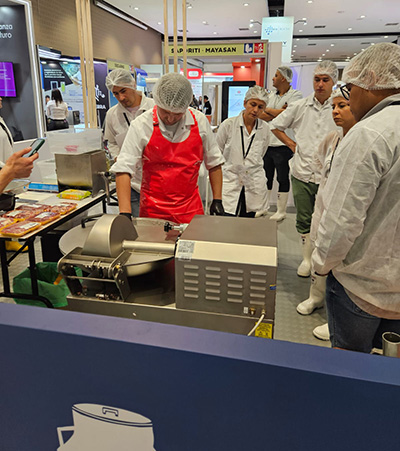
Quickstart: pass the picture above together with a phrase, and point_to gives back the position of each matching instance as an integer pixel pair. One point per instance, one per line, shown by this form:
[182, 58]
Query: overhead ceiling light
[158, 23]
[295, 45]
[190, 7]
[355, 53]
[245, 4]
[372, 43]
[251, 20]
[251, 25]
[119, 14]
[136, 8]
[362, 50]
[243, 67]
[362, 17]
[304, 18]
[255, 31]
[257, 60]
[385, 37]
[214, 32]
[319, 60]
[300, 31]
[298, 39]
[294, 51]
[323, 54]
[310, 1]
[205, 22]
[332, 45]
[349, 29]
[327, 50]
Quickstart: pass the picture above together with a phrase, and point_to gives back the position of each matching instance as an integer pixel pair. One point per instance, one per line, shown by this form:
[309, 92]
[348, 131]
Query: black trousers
[278, 158]
[57, 124]
[241, 207]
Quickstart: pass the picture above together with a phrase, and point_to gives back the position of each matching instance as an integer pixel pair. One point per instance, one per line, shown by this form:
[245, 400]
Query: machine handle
[106, 410]
[60, 430]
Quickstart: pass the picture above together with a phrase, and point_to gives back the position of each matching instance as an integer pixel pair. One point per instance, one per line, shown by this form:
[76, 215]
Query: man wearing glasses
[310, 119]
[358, 241]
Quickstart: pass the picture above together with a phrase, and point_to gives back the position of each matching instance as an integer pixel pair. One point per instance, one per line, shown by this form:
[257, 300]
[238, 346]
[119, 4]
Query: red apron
[170, 172]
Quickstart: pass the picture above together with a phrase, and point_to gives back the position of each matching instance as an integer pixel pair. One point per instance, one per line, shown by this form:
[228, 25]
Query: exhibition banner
[229, 48]
[279, 29]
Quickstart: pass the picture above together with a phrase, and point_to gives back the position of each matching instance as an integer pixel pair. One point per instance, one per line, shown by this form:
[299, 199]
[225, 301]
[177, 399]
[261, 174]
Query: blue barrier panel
[198, 390]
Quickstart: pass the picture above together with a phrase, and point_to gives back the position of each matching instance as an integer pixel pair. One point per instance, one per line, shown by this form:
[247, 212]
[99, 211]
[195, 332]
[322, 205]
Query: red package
[37, 208]
[4, 222]
[20, 228]
[45, 217]
[63, 208]
[20, 215]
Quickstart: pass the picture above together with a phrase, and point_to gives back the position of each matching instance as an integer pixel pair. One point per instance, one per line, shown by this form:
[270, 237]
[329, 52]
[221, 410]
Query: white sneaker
[280, 215]
[304, 269]
[322, 332]
[316, 298]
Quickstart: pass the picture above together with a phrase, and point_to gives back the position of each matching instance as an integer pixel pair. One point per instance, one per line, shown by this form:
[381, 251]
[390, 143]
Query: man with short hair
[358, 240]
[207, 108]
[131, 104]
[311, 120]
[278, 156]
[170, 142]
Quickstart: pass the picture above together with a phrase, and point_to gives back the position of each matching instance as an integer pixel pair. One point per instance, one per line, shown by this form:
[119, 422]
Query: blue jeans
[135, 203]
[350, 327]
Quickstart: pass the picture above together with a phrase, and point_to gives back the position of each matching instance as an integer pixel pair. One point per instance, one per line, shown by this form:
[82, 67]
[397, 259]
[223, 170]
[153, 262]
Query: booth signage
[239, 48]
[279, 29]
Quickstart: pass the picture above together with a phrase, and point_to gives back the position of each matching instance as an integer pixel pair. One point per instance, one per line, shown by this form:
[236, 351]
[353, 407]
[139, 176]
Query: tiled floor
[291, 289]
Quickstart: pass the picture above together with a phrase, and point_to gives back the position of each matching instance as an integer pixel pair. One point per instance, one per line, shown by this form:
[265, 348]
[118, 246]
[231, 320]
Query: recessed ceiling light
[327, 50]
[310, 1]
[294, 51]
[205, 22]
[245, 4]
[300, 31]
[295, 45]
[362, 17]
[323, 54]
[304, 18]
[243, 67]
[158, 23]
[214, 32]
[257, 60]
[255, 31]
[355, 53]
[385, 37]
[362, 50]
[319, 59]
[251, 25]
[332, 45]
[349, 29]
[190, 7]
[298, 39]
[251, 20]
[136, 8]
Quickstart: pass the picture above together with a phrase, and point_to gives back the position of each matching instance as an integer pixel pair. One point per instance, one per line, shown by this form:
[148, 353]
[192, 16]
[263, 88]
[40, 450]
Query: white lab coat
[359, 233]
[6, 149]
[238, 171]
[310, 122]
[117, 127]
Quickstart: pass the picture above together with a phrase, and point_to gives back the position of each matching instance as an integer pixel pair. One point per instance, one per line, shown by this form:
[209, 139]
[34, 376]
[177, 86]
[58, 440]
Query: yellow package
[75, 194]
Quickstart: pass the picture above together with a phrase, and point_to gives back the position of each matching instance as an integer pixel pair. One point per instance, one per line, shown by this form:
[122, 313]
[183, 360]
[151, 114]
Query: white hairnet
[256, 92]
[173, 92]
[378, 67]
[336, 93]
[327, 68]
[286, 73]
[122, 78]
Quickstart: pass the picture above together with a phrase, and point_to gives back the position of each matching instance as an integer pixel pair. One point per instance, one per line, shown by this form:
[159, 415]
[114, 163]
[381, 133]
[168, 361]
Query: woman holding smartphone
[57, 112]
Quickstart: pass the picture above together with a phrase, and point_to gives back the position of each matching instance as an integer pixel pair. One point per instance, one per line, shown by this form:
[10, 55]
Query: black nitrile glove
[128, 215]
[217, 208]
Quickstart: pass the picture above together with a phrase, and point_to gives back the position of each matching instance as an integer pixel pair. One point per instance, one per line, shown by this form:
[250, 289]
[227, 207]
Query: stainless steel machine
[217, 273]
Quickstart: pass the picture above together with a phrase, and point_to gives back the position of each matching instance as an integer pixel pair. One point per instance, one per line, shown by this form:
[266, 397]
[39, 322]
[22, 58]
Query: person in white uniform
[56, 112]
[131, 104]
[323, 159]
[244, 140]
[278, 156]
[358, 239]
[6, 139]
[170, 141]
[311, 120]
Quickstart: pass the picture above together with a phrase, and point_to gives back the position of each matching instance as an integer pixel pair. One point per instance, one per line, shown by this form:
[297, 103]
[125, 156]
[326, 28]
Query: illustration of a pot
[103, 428]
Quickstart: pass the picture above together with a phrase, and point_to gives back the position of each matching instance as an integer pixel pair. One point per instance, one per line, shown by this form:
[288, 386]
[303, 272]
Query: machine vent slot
[238, 279]
[194, 282]
[252, 287]
[213, 276]
[213, 268]
[213, 284]
[235, 271]
[191, 274]
[190, 295]
[235, 285]
[213, 298]
[235, 293]
[235, 300]
[190, 266]
[191, 288]
[258, 281]
[210, 290]
[256, 295]
[258, 273]
[257, 303]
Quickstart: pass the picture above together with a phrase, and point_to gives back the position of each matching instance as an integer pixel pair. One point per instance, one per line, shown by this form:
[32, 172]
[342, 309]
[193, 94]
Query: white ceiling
[225, 18]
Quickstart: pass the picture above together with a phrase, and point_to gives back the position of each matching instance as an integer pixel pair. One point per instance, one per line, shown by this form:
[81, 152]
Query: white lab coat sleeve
[212, 155]
[222, 135]
[297, 95]
[285, 119]
[109, 135]
[130, 158]
[356, 172]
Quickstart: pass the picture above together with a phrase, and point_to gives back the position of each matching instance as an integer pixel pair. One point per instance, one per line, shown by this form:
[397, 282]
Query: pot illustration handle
[60, 430]
[107, 410]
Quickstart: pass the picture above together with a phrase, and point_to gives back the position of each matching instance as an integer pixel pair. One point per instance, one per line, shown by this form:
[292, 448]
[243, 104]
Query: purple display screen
[7, 81]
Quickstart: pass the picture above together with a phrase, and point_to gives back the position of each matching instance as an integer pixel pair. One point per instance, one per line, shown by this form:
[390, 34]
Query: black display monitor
[7, 80]
[233, 93]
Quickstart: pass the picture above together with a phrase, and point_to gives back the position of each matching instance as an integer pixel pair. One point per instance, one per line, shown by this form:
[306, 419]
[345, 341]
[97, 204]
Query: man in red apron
[169, 143]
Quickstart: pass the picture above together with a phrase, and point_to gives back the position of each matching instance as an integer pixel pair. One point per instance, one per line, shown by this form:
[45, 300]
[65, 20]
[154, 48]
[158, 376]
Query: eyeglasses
[345, 91]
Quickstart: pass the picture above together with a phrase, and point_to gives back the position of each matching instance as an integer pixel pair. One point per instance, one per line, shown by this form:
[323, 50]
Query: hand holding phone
[36, 145]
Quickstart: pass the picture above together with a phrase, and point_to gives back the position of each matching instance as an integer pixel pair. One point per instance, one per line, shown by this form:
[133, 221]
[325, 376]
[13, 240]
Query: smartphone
[36, 145]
